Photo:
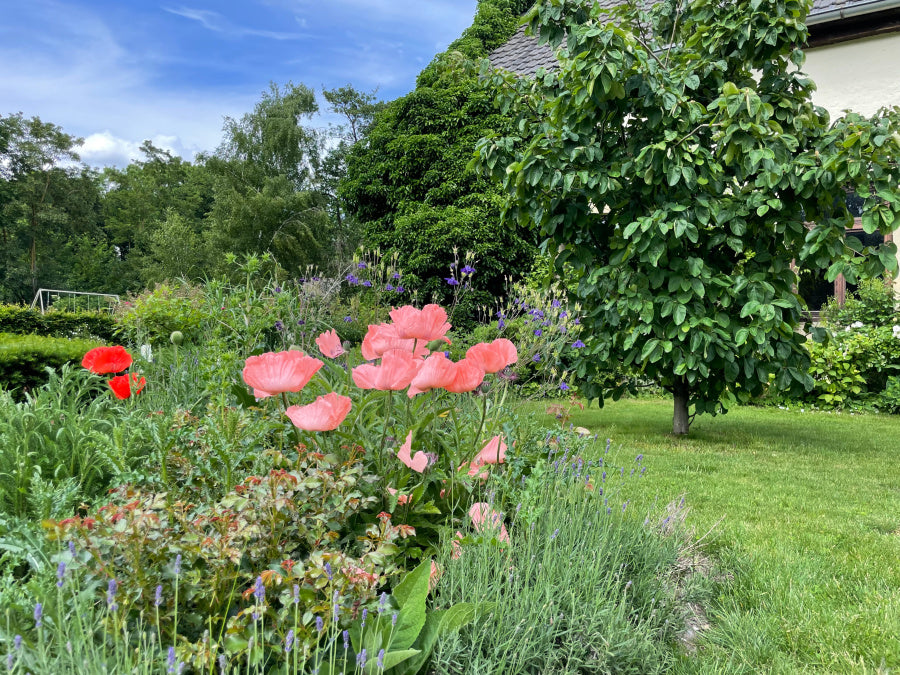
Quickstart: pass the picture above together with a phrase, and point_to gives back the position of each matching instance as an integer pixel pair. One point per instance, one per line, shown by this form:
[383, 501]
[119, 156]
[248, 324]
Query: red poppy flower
[121, 385]
[105, 360]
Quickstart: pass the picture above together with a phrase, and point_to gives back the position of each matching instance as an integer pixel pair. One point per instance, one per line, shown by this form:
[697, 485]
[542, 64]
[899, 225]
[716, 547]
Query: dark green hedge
[23, 358]
[24, 321]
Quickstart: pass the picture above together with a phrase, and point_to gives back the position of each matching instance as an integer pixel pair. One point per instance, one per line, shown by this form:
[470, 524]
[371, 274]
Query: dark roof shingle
[522, 54]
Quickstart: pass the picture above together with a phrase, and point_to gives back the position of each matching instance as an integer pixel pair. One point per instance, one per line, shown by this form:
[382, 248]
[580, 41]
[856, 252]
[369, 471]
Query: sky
[117, 72]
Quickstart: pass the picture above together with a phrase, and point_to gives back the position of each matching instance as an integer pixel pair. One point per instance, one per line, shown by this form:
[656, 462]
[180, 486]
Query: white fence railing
[45, 297]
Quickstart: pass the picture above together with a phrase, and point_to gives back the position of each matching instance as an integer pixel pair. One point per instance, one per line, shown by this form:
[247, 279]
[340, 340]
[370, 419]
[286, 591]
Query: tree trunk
[681, 422]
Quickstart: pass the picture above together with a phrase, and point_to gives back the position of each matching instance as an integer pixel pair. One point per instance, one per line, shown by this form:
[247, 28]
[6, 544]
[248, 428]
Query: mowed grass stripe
[811, 529]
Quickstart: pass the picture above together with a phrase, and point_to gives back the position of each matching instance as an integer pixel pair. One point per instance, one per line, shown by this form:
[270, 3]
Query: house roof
[522, 54]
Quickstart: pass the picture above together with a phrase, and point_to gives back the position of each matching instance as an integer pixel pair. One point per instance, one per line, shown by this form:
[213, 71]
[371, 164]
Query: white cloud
[105, 149]
[219, 24]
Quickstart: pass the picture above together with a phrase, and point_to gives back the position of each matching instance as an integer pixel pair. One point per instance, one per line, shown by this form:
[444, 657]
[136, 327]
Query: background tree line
[392, 175]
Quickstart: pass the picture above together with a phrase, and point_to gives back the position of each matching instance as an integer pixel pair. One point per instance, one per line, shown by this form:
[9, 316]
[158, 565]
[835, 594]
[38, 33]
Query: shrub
[24, 359]
[874, 303]
[25, 321]
[64, 444]
[152, 316]
[578, 583]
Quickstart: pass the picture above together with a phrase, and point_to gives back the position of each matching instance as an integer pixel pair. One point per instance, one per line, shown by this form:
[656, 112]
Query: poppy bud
[176, 338]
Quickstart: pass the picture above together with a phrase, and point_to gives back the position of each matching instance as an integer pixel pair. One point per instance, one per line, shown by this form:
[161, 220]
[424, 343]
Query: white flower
[857, 324]
[147, 353]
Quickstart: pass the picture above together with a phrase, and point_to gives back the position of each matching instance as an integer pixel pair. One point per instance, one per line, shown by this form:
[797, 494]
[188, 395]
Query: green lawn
[811, 530]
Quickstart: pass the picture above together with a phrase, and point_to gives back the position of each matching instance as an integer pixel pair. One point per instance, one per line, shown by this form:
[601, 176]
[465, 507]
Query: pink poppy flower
[417, 463]
[384, 337]
[329, 344]
[402, 499]
[493, 356]
[467, 375]
[456, 545]
[436, 372]
[278, 372]
[428, 323]
[397, 370]
[324, 414]
[484, 518]
[492, 453]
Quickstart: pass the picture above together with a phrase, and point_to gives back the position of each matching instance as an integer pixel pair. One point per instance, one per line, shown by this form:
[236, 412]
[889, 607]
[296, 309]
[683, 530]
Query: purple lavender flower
[72, 548]
[296, 594]
[301, 322]
[501, 324]
[380, 662]
[171, 660]
[564, 387]
[289, 640]
[38, 615]
[361, 659]
[555, 304]
[328, 571]
[259, 590]
[335, 606]
[388, 287]
[555, 533]
[382, 603]
[157, 600]
[278, 289]
[394, 619]
[320, 625]
[563, 314]
[351, 279]
[365, 613]
[17, 642]
[578, 344]
[223, 662]
[346, 639]
[538, 332]
[111, 595]
[395, 275]
[178, 557]
[466, 270]
[10, 659]
[451, 281]
[577, 322]
[624, 506]
[536, 358]
[400, 289]
[279, 326]
[60, 574]
[361, 265]
[348, 319]
[367, 283]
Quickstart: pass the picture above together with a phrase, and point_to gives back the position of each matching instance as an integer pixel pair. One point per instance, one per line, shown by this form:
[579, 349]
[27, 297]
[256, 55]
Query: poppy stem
[481, 426]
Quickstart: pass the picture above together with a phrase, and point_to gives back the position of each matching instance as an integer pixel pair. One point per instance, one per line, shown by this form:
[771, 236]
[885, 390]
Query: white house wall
[862, 76]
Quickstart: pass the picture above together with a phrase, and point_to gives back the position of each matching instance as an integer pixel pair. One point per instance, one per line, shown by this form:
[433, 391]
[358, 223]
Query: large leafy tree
[676, 163]
[141, 202]
[408, 181]
[265, 197]
[49, 210]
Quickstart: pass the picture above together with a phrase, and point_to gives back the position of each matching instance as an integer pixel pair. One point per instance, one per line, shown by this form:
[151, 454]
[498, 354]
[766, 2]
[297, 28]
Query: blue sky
[118, 72]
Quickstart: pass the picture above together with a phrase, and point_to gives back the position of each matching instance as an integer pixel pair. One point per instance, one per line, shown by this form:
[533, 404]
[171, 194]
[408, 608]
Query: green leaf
[679, 314]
